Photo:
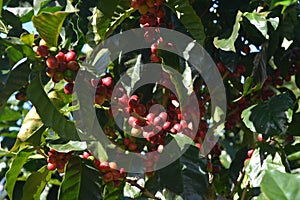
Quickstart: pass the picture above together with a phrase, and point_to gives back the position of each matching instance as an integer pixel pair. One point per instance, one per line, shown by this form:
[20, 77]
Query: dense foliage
[255, 45]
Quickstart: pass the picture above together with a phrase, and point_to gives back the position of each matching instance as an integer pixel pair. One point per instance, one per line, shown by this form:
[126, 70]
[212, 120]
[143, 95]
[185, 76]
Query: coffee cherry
[133, 101]
[20, 96]
[260, 137]
[70, 56]
[60, 56]
[99, 99]
[62, 66]
[126, 141]
[73, 65]
[143, 9]
[58, 76]
[51, 62]
[69, 75]
[108, 177]
[50, 72]
[51, 166]
[113, 165]
[132, 146]
[107, 82]
[154, 58]
[68, 89]
[250, 152]
[140, 109]
[42, 51]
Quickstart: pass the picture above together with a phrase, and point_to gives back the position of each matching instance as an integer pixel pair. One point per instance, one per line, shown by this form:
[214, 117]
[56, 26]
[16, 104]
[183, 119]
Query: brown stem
[143, 190]
[239, 180]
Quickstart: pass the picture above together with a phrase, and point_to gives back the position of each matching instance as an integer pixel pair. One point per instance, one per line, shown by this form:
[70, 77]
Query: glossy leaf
[278, 185]
[191, 181]
[269, 117]
[81, 181]
[12, 174]
[36, 183]
[189, 18]
[227, 44]
[69, 146]
[32, 126]
[17, 78]
[49, 114]
[284, 3]
[256, 168]
[9, 114]
[49, 24]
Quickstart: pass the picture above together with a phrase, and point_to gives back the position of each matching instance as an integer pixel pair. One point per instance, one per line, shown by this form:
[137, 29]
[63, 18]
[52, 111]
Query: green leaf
[9, 114]
[49, 114]
[191, 181]
[17, 78]
[14, 54]
[259, 21]
[49, 24]
[247, 87]
[227, 44]
[284, 3]
[36, 183]
[269, 117]
[107, 18]
[3, 27]
[278, 185]
[32, 128]
[14, 170]
[189, 18]
[294, 156]
[294, 126]
[256, 168]
[69, 146]
[81, 181]
[112, 192]
[27, 39]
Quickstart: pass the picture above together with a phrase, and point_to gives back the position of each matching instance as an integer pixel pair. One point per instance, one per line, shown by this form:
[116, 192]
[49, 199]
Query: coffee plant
[47, 48]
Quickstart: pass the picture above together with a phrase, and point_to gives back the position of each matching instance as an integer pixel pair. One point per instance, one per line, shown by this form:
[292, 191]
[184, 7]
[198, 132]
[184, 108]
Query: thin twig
[143, 190]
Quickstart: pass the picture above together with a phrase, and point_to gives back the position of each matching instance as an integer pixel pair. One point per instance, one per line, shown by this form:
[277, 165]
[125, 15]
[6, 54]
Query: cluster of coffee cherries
[58, 160]
[109, 170]
[63, 65]
[104, 88]
[153, 14]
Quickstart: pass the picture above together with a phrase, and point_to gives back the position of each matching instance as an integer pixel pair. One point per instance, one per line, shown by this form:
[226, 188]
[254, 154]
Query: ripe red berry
[133, 101]
[107, 82]
[155, 58]
[70, 56]
[108, 177]
[51, 166]
[132, 146]
[246, 49]
[73, 65]
[260, 137]
[68, 89]
[140, 109]
[126, 141]
[51, 62]
[60, 56]
[250, 152]
[50, 72]
[42, 51]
